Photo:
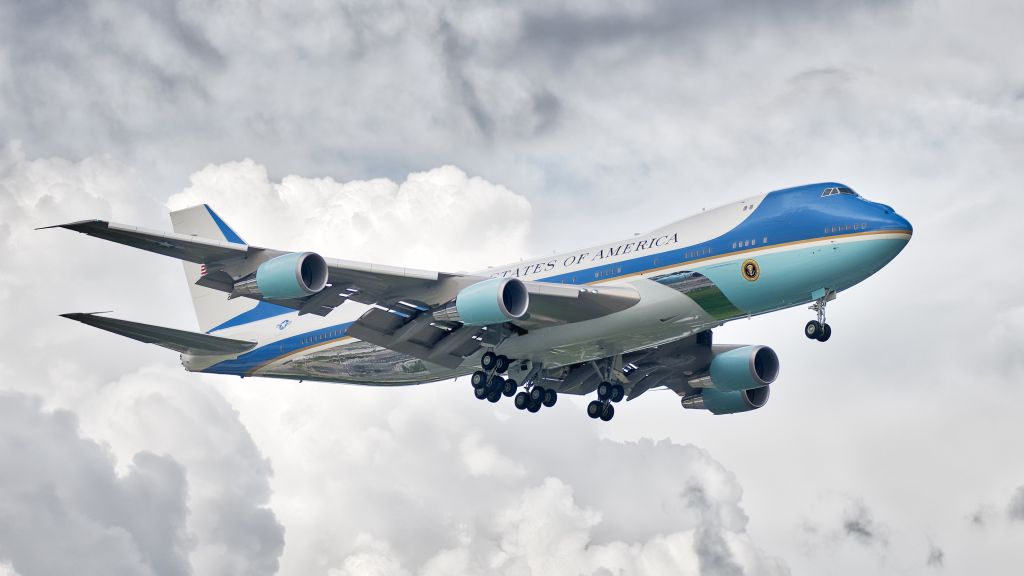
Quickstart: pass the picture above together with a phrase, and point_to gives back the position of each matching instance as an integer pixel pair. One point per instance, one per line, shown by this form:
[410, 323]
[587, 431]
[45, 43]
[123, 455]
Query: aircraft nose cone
[897, 222]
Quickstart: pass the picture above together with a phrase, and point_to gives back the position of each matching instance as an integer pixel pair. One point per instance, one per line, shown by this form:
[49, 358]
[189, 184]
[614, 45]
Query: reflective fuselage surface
[764, 253]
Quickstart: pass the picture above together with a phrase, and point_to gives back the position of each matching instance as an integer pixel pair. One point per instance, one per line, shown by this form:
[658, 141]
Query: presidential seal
[751, 271]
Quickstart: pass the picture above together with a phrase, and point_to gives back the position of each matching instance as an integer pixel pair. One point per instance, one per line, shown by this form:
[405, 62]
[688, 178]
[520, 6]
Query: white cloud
[608, 118]
[440, 218]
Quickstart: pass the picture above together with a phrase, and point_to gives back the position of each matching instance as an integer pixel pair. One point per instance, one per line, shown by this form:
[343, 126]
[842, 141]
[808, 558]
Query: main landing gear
[819, 329]
[488, 384]
[606, 394]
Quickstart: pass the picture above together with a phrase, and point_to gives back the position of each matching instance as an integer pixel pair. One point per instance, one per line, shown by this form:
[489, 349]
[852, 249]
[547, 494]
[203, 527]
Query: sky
[457, 135]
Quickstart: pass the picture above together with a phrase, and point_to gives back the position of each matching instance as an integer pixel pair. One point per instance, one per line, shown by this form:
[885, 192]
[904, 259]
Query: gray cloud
[936, 557]
[607, 118]
[66, 510]
[1015, 509]
[859, 524]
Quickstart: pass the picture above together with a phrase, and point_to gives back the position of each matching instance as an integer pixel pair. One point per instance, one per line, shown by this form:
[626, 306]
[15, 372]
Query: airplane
[617, 319]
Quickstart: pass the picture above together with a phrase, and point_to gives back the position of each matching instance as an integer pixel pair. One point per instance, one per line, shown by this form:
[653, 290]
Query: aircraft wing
[181, 246]
[403, 298]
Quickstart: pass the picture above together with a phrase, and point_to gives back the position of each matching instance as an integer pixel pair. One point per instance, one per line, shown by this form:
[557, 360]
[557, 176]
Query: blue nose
[897, 222]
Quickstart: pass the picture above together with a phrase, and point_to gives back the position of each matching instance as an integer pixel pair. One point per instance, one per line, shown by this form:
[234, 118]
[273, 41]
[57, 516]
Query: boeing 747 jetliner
[616, 320]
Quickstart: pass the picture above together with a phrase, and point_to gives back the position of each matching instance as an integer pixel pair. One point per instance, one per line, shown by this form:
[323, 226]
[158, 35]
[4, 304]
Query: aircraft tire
[534, 407]
[550, 397]
[604, 391]
[537, 394]
[488, 360]
[501, 364]
[480, 393]
[618, 393]
[608, 413]
[478, 379]
[493, 397]
[522, 400]
[826, 333]
[812, 329]
[510, 388]
[595, 408]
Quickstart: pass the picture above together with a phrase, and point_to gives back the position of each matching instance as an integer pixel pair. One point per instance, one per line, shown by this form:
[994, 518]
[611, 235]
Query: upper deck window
[839, 190]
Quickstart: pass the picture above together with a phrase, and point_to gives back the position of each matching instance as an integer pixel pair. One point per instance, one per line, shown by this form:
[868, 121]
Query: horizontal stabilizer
[178, 340]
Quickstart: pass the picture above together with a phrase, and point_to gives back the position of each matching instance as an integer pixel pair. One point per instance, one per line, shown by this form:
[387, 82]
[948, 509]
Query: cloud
[66, 510]
[478, 492]
[936, 557]
[1015, 509]
[135, 399]
[608, 118]
[859, 524]
[423, 222]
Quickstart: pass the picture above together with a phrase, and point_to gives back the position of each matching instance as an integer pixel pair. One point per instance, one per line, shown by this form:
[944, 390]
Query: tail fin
[213, 309]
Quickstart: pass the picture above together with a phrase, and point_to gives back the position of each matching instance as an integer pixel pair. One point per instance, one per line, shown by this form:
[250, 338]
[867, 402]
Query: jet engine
[487, 302]
[738, 380]
[294, 275]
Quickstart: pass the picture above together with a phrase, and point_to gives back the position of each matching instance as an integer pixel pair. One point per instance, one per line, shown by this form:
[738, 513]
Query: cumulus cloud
[607, 117]
[438, 218]
[67, 510]
[478, 492]
[133, 398]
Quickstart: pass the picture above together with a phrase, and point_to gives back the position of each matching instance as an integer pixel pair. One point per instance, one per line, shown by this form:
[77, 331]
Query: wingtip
[80, 315]
[73, 225]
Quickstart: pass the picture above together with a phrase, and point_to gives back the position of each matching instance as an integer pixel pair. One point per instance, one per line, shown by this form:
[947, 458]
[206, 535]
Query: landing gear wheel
[533, 407]
[488, 360]
[510, 388]
[826, 333]
[618, 393]
[478, 379]
[497, 384]
[522, 400]
[595, 409]
[604, 391]
[608, 412]
[501, 364]
[480, 393]
[494, 397]
[550, 397]
[812, 329]
[537, 394]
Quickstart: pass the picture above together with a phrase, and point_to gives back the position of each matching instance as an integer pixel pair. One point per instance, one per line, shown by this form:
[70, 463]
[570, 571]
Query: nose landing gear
[819, 329]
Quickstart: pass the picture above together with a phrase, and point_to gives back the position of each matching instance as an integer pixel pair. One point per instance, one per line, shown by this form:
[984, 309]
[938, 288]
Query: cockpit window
[838, 190]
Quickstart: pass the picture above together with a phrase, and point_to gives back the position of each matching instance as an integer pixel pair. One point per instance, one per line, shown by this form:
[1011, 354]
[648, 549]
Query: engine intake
[488, 302]
[737, 380]
[294, 275]
[744, 368]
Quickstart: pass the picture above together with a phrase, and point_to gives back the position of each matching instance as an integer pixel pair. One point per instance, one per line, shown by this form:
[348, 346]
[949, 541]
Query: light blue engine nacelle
[294, 275]
[487, 302]
[737, 381]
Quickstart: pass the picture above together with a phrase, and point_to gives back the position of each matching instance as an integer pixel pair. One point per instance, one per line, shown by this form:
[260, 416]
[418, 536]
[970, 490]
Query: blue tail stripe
[261, 311]
[226, 230]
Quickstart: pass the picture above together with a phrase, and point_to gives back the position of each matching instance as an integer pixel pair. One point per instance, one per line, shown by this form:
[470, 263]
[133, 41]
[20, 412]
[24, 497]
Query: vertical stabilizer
[213, 309]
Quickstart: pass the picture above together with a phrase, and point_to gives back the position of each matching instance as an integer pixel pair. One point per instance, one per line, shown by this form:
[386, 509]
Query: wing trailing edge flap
[413, 331]
[552, 304]
[182, 341]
